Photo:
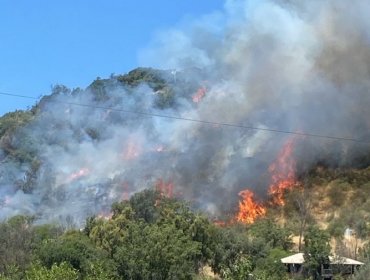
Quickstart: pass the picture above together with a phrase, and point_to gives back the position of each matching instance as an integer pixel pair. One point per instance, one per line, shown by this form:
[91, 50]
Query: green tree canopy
[316, 250]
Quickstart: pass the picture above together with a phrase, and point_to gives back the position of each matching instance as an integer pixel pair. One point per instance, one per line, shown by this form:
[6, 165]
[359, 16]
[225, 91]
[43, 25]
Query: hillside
[32, 140]
[152, 235]
[248, 144]
[337, 200]
[131, 155]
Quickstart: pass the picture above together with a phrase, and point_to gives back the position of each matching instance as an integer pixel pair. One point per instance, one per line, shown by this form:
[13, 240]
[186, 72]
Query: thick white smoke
[277, 65]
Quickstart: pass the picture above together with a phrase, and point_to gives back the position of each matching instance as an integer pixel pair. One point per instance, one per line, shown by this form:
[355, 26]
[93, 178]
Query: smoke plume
[274, 65]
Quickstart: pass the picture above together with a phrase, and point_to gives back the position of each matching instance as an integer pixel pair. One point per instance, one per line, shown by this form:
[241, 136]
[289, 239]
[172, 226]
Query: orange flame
[249, 210]
[283, 178]
[78, 174]
[220, 223]
[126, 194]
[165, 189]
[132, 149]
[283, 173]
[198, 96]
[105, 215]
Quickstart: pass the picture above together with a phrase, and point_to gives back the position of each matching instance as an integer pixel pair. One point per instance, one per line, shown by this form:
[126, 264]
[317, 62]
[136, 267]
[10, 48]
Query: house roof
[299, 259]
[296, 258]
[343, 260]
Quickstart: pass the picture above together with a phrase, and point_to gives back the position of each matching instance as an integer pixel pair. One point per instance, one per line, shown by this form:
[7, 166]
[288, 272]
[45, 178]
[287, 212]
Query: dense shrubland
[148, 237]
[151, 236]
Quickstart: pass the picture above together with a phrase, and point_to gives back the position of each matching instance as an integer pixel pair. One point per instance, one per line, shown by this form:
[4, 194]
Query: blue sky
[43, 43]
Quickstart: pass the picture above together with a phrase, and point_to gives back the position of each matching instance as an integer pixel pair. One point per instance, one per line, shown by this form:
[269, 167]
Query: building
[338, 265]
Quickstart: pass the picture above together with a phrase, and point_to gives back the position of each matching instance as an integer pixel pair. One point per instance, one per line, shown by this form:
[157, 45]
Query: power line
[147, 114]
[18, 95]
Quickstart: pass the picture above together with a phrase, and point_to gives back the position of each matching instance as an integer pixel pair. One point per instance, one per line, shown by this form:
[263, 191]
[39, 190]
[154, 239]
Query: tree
[154, 237]
[316, 250]
[271, 268]
[157, 252]
[144, 205]
[361, 232]
[13, 272]
[15, 242]
[230, 243]
[363, 273]
[241, 269]
[272, 234]
[62, 271]
[101, 270]
[109, 235]
[73, 248]
[303, 204]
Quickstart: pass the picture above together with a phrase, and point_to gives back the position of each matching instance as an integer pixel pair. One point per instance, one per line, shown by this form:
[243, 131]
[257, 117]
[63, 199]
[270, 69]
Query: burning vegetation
[208, 126]
[283, 173]
[283, 178]
[199, 95]
[249, 209]
[165, 189]
[122, 151]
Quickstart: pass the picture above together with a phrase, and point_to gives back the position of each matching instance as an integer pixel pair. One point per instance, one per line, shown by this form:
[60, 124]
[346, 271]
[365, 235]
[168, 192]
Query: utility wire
[18, 95]
[147, 114]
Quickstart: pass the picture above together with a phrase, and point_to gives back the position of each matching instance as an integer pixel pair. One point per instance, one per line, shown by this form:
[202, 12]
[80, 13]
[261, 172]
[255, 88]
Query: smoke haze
[270, 64]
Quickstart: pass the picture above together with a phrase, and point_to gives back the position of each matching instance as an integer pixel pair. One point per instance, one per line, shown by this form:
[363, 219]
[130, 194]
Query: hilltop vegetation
[336, 199]
[153, 235]
[148, 237]
[162, 82]
[22, 137]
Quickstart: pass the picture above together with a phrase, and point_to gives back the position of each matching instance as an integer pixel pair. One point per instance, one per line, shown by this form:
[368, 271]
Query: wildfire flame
[126, 194]
[198, 96]
[165, 189]
[220, 223]
[249, 210]
[78, 174]
[283, 178]
[282, 172]
[132, 149]
[105, 216]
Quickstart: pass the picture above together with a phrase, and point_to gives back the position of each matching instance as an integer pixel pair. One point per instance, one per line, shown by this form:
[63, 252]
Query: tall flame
[126, 194]
[165, 189]
[249, 210]
[282, 172]
[283, 178]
